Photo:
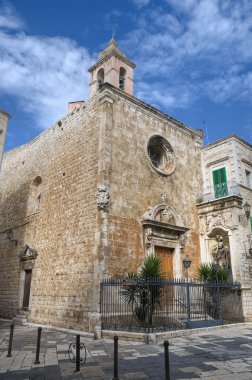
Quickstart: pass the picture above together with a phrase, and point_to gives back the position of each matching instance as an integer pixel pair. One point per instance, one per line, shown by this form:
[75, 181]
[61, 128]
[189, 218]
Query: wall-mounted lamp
[9, 234]
[247, 209]
[187, 263]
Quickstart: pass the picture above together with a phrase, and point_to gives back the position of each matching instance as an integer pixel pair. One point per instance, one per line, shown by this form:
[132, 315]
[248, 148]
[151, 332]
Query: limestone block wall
[135, 186]
[62, 229]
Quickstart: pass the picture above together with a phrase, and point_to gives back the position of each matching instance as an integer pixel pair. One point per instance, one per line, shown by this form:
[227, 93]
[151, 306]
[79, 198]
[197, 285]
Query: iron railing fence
[160, 305]
[211, 193]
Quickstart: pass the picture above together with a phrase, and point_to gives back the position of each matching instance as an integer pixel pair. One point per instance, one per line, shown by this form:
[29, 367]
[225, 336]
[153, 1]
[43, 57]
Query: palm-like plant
[142, 290]
[212, 273]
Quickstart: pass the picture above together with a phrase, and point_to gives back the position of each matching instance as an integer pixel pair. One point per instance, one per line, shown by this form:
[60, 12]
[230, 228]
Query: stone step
[21, 317]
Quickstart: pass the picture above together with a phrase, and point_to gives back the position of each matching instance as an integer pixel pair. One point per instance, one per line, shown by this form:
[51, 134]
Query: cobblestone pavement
[224, 353]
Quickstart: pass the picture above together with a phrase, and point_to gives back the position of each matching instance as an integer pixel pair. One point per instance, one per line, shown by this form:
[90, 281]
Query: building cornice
[224, 139]
[113, 53]
[137, 102]
[4, 114]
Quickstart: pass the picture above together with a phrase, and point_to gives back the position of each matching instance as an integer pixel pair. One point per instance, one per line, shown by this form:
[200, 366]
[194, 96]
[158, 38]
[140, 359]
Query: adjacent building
[224, 205]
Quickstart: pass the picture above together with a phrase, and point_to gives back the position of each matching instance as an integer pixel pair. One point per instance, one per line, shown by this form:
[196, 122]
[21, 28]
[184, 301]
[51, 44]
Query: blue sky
[193, 57]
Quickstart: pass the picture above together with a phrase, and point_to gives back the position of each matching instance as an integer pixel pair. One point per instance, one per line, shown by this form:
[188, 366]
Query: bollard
[38, 346]
[77, 353]
[10, 340]
[167, 362]
[115, 358]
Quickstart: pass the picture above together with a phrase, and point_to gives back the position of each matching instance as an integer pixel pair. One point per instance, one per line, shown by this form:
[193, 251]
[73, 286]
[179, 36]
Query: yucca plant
[142, 290]
[212, 273]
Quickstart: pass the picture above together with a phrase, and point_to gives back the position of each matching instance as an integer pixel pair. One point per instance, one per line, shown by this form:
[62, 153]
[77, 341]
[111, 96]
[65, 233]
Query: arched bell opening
[122, 77]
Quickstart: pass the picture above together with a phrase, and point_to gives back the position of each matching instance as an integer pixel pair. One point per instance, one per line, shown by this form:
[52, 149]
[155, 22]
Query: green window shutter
[220, 182]
[250, 218]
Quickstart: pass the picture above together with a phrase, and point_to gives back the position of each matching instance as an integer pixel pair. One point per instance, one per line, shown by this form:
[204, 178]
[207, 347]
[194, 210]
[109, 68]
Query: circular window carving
[161, 155]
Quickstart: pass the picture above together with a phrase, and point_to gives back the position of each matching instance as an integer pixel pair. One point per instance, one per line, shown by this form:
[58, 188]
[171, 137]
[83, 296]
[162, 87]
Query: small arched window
[122, 76]
[35, 195]
[100, 77]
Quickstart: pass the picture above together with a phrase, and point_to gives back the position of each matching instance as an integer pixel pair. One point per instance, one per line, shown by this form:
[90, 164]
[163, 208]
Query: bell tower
[113, 67]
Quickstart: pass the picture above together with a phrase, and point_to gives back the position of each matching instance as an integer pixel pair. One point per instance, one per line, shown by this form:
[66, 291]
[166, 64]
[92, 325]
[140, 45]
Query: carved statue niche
[220, 253]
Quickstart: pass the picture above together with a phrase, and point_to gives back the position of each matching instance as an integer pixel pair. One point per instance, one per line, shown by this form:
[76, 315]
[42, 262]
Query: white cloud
[202, 44]
[8, 18]
[43, 74]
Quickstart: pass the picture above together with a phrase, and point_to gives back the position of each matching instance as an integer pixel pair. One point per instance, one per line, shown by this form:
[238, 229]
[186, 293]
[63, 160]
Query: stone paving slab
[224, 354]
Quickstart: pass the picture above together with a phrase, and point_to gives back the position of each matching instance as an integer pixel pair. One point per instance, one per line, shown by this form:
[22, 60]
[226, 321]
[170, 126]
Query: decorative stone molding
[162, 213]
[27, 257]
[161, 155]
[28, 253]
[161, 234]
[218, 220]
[107, 96]
[102, 197]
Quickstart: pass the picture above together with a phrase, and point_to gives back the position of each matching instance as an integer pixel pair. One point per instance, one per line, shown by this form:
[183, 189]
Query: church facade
[110, 183]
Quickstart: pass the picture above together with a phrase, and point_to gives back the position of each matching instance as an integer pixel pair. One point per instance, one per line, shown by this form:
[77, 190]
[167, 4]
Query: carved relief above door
[162, 227]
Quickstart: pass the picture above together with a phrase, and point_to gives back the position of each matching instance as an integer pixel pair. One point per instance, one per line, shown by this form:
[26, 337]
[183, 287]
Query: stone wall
[62, 230]
[135, 186]
[48, 206]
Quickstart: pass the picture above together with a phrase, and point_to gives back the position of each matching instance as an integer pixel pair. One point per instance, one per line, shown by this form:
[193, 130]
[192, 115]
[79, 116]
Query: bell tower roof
[111, 46]
[108, 52]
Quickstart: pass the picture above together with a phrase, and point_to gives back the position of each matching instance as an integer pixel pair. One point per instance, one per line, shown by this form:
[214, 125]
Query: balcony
[221, 190]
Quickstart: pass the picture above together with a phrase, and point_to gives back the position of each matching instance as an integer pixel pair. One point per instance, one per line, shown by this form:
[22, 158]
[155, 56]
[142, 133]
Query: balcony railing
[221, 190]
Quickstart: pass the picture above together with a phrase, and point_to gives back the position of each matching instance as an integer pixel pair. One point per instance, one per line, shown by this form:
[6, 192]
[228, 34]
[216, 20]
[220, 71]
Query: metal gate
[161, 305]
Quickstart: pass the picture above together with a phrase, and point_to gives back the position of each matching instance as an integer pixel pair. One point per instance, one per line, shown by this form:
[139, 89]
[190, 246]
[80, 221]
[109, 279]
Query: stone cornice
[221, 203]
[229, 137]
[217, 161]
[246, 161]
[113, 53]
[135, 101]
[4, 115]
[177, 230]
